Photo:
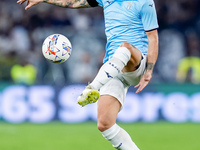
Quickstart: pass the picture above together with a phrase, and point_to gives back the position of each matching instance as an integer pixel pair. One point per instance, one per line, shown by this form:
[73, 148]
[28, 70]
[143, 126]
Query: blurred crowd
[22, 34]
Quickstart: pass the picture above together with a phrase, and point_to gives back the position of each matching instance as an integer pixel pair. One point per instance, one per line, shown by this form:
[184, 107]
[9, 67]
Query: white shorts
[117, 87]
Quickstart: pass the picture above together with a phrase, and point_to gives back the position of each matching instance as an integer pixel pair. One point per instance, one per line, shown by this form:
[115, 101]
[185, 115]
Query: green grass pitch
[85, 136]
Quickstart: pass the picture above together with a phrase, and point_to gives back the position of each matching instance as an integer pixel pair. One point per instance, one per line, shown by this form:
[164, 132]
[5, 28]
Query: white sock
[119, 138]
[111, 68]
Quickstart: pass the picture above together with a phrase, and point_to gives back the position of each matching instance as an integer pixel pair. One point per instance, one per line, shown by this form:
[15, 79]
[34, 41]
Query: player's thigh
[135, 57]
[108, 108]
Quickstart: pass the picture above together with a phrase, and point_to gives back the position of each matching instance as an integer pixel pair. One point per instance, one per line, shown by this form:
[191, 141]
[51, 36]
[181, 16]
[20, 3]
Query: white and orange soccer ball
[56, 48]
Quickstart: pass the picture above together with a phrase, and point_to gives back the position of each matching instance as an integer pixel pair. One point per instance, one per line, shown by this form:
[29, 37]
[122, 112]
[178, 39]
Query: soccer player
[131, 53]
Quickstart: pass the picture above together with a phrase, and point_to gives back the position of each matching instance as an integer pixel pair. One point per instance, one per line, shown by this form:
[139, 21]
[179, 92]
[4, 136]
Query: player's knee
[130, 47]
[127, 45]
[103, 125]
[133, 50]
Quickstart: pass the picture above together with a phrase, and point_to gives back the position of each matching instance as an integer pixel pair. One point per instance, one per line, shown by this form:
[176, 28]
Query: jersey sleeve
[149, 16]
[94, 3]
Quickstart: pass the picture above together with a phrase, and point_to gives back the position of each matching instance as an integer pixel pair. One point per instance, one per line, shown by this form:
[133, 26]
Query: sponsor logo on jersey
[151, 5]
[109, 2]
[130, 4]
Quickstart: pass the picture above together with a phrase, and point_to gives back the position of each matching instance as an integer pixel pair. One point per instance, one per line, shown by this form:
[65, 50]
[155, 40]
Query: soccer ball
[56, 48]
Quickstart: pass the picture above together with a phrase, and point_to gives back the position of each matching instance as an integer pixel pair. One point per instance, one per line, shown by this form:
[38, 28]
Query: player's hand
[144, 81]
[30, 3]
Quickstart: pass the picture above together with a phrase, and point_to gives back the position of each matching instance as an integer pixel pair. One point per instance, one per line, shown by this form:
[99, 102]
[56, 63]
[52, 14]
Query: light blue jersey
[128, 21]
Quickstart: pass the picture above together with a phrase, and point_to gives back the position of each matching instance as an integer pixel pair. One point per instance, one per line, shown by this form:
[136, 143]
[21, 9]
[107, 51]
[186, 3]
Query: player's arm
[151, 59]
[61, 3]
[149, 20]
[152, 50]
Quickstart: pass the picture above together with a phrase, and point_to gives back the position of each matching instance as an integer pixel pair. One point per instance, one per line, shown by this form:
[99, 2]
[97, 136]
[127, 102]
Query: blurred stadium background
[38, 107]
